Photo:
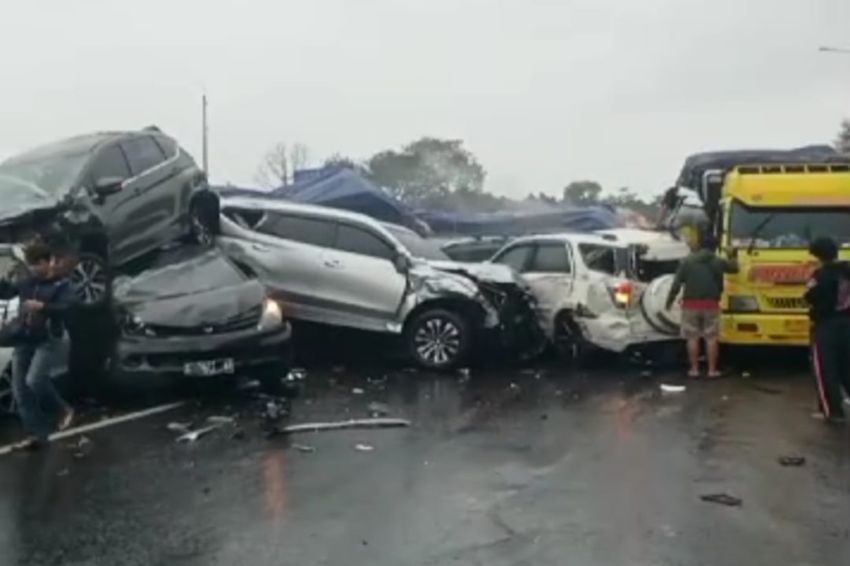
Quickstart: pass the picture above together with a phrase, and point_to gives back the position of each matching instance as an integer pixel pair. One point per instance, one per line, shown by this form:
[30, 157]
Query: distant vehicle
[474, 250]
[346, 269]
[600, 290]
[114, 196]
[194, 315]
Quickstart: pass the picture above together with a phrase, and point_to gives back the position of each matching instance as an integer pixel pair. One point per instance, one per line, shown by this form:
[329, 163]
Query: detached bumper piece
[204, 356]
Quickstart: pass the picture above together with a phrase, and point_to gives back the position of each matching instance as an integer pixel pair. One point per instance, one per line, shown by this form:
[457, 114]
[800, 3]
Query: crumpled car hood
[205, 308]
[195, 291]
[488, 272]
[425, 276]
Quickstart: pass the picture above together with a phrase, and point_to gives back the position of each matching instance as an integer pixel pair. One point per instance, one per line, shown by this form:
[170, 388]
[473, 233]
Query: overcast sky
[542, 91]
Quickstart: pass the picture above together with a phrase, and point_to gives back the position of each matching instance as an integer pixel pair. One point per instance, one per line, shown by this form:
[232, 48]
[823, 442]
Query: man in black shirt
[828, 295]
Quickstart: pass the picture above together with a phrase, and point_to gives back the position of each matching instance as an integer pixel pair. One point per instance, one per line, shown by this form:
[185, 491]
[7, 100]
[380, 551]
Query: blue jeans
[39, 404]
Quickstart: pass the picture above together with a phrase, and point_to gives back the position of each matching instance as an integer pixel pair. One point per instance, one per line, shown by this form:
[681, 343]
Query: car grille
[786, 303]
[242, 321]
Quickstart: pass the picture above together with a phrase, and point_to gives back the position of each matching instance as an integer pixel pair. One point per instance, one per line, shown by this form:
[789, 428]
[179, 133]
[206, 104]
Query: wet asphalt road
[508, 467]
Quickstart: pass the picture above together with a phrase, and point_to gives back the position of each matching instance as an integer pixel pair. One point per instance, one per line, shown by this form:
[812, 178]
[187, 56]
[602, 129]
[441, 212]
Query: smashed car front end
[517, 327]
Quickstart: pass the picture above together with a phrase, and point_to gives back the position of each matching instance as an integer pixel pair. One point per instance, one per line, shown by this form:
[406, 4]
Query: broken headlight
[132, 325]
[272, 315]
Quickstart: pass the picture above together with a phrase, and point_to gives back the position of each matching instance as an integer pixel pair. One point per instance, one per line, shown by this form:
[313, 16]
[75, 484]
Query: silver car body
[585, 292]
[336, 267]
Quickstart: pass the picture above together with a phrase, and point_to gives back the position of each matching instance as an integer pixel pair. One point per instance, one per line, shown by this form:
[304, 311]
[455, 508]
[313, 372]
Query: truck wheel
[438, 339]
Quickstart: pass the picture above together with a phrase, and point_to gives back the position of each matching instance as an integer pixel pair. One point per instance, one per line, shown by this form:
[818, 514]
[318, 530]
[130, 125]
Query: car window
[516, 257]
[110, 162]
[359, 241]
[599, 258]
[313, 231]
[143, 153]
[550, 258]
[167, 146]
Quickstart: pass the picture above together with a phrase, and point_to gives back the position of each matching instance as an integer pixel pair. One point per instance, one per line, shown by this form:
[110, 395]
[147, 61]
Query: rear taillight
[622, 294]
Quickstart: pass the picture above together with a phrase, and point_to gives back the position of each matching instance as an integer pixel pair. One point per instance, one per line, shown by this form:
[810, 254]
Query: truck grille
[786, 303]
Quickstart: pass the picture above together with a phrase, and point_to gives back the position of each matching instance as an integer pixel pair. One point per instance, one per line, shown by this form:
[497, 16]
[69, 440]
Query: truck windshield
[786, 227]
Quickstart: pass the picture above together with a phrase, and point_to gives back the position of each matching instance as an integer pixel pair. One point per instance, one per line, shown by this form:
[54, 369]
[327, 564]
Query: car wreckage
[345, 269]
[192, 315]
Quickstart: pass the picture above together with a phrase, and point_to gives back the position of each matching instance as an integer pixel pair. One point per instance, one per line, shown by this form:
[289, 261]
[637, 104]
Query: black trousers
[831, 361]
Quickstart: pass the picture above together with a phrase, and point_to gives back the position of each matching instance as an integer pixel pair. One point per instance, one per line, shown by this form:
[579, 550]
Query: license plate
[210, 367]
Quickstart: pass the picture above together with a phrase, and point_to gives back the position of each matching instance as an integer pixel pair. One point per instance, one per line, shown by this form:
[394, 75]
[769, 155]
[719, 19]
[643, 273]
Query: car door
[149, 210]
[362, 277]
[114, 210]
[550, 275]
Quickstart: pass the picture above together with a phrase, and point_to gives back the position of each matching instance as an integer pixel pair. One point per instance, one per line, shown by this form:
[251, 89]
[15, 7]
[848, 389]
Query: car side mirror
[106, 186]
[402, 263]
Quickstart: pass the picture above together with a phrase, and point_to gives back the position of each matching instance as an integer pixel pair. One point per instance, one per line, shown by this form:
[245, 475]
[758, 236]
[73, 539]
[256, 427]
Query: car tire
[438, 339]
[7, 399]
[203, 221]
[92, 280]
[569, 340]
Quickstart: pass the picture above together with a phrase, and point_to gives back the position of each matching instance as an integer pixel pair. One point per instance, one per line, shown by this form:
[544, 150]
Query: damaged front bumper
[141, 358]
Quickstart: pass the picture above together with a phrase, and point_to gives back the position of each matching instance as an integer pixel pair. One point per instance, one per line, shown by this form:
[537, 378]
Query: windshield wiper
[758, 229]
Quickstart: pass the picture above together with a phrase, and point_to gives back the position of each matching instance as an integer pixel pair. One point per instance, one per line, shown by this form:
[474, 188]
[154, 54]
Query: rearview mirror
[402, 263]
[108, 186]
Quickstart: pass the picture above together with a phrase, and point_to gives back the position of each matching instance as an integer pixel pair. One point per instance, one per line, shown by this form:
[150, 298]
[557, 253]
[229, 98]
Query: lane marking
[104, 423]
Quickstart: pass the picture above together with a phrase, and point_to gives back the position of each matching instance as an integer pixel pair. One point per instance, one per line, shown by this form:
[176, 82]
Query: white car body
[569, 284]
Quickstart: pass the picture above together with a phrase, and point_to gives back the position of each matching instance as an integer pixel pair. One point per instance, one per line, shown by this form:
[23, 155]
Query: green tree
[426, 170]
[582, 193]
[842, 143]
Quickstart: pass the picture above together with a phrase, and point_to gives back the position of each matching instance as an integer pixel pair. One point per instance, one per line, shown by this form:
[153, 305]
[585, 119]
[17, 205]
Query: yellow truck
[764, 209]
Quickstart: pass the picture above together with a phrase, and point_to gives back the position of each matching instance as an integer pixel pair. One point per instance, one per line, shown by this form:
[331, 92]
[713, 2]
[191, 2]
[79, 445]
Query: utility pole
[205, 134]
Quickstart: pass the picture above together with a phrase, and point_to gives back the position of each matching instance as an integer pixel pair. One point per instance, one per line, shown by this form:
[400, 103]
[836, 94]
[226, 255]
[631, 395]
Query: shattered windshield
[42, 178]
[785, 227]
[418, 246]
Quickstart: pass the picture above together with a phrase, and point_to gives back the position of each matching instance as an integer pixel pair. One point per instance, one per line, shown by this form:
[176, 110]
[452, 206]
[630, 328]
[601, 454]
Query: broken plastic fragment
[667, 388]
[194, 435]
[722, 499]
[364, 447]
[221, 420]
[378, 410]
[341, 425]
[304, 448]
[792, 461]
[357, 391]
[297, 374]
[182, 428]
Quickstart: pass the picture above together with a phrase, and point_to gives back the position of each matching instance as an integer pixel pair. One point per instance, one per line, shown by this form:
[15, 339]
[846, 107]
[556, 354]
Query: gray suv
[345, 269]
[112, 197]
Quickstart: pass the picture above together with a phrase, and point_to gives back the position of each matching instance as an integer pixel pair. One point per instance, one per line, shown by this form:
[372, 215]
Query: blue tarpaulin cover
[345, 188]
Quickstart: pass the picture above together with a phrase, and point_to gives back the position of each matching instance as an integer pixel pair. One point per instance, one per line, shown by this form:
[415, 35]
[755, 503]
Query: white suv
[606, 289]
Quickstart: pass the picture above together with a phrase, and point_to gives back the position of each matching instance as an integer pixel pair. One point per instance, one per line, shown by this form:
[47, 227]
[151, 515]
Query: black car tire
[7, 400]
[438, 339]
[203, 220]
[92, 280]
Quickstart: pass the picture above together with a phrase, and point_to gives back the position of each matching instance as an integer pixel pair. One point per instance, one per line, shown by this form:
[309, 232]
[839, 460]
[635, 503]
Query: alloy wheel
[438, 341]
[90, 280]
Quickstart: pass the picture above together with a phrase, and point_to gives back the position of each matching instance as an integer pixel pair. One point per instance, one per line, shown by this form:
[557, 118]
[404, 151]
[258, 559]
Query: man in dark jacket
[701, 275]
[44, 300]
[828, 295]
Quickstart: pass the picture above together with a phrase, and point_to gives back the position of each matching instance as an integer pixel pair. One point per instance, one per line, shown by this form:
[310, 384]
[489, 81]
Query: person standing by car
[701, 275]
[828, 296]
[44, 300]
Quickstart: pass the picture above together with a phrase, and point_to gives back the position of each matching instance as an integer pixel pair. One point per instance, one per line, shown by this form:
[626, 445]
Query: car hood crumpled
[185, 295]
[488, 272]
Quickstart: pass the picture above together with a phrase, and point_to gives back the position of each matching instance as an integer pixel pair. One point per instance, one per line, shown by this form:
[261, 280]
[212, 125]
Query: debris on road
[274, 410]
[746, 374]
[378, 410]
[722, 499]
[349, 424]
[182, 428]
[194, 435]
[357, 391]
[364, 447]
[766, 389]
[296, 374]
[792, 461]
[670, 388]
[221, 420]
[304, 448]
[250, 385]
